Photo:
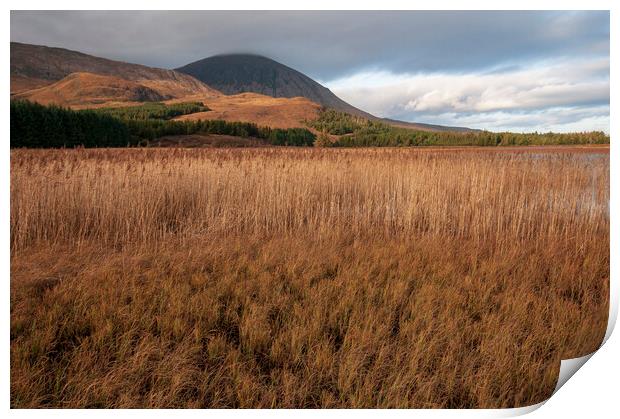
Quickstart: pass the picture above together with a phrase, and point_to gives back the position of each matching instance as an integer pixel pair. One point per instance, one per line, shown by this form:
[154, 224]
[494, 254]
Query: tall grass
[306, 277]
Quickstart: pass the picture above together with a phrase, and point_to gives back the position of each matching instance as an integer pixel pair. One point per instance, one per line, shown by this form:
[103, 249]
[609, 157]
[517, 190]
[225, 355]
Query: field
[307, 277]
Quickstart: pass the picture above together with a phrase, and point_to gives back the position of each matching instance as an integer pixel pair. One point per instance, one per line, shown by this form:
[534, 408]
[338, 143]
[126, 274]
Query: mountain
[426, 127]
[34, 66]
[239, 73]
[68, 78]
[236, 87]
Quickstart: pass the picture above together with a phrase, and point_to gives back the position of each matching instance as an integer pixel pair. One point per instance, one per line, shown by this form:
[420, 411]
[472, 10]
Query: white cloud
[563, 95]
[589, 118]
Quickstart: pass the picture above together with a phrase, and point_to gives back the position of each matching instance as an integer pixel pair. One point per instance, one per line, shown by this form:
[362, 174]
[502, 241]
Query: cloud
[540, 92]
[562, 119]
[324, 44]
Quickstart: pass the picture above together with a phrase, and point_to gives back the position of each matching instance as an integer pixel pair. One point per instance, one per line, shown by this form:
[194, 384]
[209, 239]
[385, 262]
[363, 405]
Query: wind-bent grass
[303, 278]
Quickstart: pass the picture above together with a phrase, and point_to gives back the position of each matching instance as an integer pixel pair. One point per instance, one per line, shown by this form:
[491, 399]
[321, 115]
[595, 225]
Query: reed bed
[281, 277]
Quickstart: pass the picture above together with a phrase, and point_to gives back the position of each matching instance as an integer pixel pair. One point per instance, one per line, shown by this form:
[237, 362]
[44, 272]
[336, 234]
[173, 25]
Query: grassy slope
[259, 109]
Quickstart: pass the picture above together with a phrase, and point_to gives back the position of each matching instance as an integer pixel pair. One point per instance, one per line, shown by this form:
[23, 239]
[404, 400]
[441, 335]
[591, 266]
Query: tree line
[154, 110]
[38, 126]
[152, 129]
[354, 131]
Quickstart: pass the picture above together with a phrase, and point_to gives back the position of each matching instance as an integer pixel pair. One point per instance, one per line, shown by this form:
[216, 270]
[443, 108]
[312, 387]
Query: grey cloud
[324, 45]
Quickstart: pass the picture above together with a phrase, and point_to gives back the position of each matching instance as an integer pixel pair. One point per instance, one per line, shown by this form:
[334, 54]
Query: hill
[87, 89]
[36, 65]
[259, 109]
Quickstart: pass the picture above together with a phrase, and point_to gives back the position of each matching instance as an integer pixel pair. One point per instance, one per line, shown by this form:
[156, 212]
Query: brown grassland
[255, 108]
[275, 277]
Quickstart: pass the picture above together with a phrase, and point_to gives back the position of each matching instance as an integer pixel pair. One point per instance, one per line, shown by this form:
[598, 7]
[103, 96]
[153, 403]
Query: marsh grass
[303, 278]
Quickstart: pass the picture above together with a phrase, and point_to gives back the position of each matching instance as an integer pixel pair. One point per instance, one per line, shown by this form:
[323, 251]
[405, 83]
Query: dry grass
[84, 90]
[303, 278]
[21, 84]
[256, 108]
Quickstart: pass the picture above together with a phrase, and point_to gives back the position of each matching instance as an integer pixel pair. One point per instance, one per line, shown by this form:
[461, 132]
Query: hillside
[258, 109]
[87, 89]
[35, 65]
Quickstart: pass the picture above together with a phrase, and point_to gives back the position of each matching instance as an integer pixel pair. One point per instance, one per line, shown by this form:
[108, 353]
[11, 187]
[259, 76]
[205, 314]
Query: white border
[592, 393]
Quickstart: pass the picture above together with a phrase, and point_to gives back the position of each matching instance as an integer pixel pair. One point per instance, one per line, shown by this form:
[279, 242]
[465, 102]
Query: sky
[518, 71]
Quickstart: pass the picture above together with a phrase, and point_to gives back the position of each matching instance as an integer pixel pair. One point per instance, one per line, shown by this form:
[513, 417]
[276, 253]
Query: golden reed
[281, 277]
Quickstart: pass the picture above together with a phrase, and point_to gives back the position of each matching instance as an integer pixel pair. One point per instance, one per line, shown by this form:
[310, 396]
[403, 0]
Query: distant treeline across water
[352, 131]
[38, 126]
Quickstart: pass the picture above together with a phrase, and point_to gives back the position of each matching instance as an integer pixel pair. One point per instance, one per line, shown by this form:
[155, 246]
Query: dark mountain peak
[242, 56]
[245, 72]
[238, 59]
